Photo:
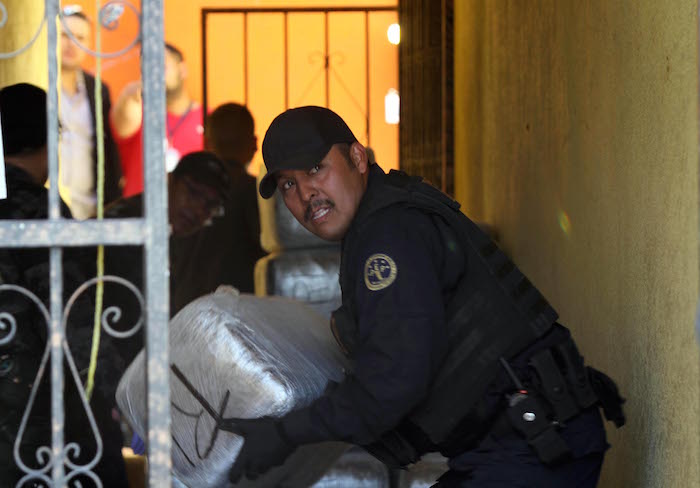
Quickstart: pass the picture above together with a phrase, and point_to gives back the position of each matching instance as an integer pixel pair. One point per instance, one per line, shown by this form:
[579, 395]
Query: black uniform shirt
[403, 274]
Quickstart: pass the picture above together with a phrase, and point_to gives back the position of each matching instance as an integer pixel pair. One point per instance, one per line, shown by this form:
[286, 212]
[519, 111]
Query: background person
[226, 251]
[24, 135]
[184, 128]
[197, 189]
[76, 110]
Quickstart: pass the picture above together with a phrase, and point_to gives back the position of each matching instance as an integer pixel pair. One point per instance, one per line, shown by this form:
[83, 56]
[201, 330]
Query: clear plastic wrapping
[248, 357]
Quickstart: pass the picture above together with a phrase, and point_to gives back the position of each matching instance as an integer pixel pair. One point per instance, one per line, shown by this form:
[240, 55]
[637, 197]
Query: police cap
[299, 139]
[205, 168]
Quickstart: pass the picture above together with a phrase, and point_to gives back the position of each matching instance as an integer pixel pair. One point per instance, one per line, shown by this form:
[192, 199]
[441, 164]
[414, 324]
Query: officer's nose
[307, 190]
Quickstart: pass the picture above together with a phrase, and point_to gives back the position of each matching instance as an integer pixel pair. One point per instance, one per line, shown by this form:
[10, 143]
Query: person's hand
[127, 111]
[265, 446]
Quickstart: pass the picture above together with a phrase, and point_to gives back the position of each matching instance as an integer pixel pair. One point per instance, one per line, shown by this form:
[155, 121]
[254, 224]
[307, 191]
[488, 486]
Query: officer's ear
[358, 156]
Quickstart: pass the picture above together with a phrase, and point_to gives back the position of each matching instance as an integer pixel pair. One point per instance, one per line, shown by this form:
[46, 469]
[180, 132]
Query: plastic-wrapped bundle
[424, 473]
[357, 469]
[247, 357]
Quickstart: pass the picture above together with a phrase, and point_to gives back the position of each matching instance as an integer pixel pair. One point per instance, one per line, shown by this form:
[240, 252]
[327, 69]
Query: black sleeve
[402, 335]
[252, 216]
[113, 167]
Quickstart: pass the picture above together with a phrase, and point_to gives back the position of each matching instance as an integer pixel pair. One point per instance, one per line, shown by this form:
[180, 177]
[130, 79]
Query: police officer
[453, 348]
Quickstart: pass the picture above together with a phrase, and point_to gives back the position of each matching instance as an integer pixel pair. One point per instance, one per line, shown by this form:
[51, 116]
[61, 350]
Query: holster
[559, 390]
[528, 417]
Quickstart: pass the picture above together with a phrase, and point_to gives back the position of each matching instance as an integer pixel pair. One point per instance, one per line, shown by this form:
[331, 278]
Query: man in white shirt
[78, 151]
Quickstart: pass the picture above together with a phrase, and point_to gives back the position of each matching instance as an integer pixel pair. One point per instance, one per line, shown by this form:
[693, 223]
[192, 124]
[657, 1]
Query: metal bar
[367, 102]
[286, 61]
[325, 55]
[52, 110]
[57, 386]
[156, 245]
[55, 255]
[256, 10]
[47, 233]
[205, 93]
[245, 59]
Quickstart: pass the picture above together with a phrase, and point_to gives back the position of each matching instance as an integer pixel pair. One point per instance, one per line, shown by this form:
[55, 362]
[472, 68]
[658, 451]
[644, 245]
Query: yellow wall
[577, 137]
[23, 20]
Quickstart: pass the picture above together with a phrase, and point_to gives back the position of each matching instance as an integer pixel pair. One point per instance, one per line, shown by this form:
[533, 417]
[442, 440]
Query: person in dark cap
[454, 349]
[24, 135]
[226, 251]
[197, 189]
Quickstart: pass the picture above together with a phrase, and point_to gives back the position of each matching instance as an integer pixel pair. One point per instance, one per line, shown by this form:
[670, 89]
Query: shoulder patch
[380, 272]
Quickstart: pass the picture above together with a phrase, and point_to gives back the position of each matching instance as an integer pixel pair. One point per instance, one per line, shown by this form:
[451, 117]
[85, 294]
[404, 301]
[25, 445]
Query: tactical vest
[495, 311]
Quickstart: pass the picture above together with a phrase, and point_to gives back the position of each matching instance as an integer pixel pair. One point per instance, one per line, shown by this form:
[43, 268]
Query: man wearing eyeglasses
[197, 189]
[77, 112]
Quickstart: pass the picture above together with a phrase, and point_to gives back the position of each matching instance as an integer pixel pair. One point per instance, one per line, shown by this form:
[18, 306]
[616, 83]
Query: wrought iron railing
[57, 466]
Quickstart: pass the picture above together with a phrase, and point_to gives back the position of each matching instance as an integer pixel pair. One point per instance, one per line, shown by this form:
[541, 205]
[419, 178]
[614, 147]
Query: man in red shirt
[184, 122]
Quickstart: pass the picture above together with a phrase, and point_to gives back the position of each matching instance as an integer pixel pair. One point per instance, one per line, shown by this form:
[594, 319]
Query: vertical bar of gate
[55, 253]
[156, 244]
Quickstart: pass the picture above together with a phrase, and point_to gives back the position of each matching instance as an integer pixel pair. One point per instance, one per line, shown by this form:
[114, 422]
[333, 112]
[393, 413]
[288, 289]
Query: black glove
[265, 446]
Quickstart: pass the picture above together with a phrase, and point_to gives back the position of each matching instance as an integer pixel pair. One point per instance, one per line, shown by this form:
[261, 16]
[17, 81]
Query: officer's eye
[7, 364]
[315, 169]
[286, 185]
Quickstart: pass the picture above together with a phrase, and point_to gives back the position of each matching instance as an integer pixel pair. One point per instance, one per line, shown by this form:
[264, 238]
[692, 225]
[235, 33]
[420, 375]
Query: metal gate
[55, 233]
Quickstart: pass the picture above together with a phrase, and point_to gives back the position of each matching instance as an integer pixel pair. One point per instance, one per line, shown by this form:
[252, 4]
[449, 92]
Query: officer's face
[325, 198]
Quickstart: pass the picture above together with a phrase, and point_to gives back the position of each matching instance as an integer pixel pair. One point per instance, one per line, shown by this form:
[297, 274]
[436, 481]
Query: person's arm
[252, 215]
[113, 168]
[402, 337]
[127, 112]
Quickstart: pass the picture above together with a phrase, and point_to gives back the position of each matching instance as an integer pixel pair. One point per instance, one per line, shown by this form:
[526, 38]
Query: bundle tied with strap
[239, 356]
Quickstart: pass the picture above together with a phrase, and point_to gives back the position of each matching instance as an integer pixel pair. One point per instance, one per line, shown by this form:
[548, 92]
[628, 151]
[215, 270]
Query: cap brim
[268, 185]
[305, 160]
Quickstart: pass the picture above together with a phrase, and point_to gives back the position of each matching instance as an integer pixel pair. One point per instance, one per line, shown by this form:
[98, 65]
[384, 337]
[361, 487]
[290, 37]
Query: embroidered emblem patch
[380, 271]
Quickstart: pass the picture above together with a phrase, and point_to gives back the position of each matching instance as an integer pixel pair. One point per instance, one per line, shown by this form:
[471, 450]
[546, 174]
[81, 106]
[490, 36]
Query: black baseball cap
[23, 112]
[299, 139]
[206, 168]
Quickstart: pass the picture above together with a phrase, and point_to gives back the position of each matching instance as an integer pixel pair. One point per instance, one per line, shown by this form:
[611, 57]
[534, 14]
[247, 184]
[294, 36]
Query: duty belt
[562, 388]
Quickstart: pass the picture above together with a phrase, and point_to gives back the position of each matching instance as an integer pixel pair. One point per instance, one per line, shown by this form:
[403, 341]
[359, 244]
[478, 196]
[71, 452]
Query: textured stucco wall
[577, 138]
[22, 20]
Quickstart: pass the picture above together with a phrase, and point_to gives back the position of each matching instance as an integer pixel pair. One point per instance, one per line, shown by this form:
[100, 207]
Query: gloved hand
[265, 446]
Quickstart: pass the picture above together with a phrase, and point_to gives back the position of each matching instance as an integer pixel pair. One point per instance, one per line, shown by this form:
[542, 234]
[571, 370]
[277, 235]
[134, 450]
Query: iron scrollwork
[108, 17]
[71, 451]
